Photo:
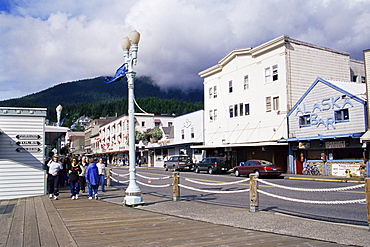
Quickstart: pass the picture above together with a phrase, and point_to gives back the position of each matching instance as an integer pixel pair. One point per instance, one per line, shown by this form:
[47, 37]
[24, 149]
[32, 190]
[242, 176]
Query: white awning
[365, 137]
[248, 144]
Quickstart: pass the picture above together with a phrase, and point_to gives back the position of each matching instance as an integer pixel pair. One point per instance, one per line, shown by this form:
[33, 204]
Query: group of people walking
[80, 174]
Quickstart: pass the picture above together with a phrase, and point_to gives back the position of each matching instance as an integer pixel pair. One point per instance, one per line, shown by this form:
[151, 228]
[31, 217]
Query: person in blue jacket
[92, 179]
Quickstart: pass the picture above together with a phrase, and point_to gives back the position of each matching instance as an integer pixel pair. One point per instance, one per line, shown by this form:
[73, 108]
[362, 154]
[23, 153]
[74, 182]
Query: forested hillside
[94, 98]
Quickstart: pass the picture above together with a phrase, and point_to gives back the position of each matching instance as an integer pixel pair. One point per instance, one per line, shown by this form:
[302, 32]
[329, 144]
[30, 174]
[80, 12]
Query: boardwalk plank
[46, 233]
[31, 231]
[15, 237]
[6, 220]
[62, 235]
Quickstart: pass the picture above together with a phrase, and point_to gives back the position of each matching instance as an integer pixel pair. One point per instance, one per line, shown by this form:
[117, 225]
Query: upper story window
[276, 103]
[231, 111]
[246, 109]
[192, 132]
[268, 104]
[241, 108]
[215, 114]
[182, 134]
[341, 115]
[230, 86]
[215, 92]
[169, 124]
[236, 110]
[304, 120]
[210, 93]
[246, 82]
[142, 123]
[271, 73]
[211, 115]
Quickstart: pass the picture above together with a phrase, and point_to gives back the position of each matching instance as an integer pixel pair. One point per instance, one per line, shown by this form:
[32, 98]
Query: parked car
[260, 167]
[179, 163]
[212, 165]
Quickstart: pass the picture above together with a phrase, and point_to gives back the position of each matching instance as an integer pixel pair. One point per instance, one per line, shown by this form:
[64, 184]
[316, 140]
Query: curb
[326, 179]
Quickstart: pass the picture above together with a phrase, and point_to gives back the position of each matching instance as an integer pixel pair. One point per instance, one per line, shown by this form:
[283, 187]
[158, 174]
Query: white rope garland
[122, 182]
[226, 183]
[312, 190]
[155, 186]
[120, 175]
[312, 202]
[212, 191]
[139, 175]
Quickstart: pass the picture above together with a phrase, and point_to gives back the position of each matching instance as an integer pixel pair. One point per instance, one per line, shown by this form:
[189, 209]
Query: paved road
[340, 213]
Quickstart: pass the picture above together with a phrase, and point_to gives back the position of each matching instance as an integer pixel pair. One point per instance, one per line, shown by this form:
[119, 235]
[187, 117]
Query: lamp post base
[133, 200]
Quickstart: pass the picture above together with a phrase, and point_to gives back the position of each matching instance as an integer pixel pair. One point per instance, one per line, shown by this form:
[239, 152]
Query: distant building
[250, 91]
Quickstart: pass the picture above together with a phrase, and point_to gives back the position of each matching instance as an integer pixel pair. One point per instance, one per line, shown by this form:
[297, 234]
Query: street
[354, 214]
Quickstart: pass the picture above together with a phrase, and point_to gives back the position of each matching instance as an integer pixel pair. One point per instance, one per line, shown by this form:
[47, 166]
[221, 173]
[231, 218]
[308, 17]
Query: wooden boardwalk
[40, 221]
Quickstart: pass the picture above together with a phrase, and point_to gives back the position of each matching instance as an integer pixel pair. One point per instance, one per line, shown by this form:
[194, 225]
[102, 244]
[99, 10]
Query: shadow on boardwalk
[39, 221]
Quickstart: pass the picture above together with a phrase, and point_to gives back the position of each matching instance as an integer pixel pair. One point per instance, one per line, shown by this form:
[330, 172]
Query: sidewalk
[40, 221]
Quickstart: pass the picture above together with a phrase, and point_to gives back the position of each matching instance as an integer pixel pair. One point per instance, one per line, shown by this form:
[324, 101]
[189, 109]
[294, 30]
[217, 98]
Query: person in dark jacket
[92, 179]
[74, 172]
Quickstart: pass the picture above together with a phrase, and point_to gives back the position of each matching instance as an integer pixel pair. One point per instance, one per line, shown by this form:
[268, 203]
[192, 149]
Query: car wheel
[258, 174]
[197, 169]
[237, 173]
[210, 170]
[165, 168]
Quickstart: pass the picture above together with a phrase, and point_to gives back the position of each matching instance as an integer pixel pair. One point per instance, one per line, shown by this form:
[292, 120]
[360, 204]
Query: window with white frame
[210, 115]
[271, 73]
[236, 110]
[215, 92]
[230, 86]
[210, 92]
[231, 111]
[192, 135]
[268, 74]
[142, 123]
[214, 114]
[241, 108]
[246, 82]
[275, 74]
[268, 104]
[182, 134]
[275, 101]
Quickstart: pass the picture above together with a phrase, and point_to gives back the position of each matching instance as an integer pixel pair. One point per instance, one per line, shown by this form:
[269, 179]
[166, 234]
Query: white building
[22, 142]
[250, 91]
[113, 136]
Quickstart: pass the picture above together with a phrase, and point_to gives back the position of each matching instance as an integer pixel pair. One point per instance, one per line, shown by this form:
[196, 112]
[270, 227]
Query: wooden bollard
[109, 178]
[367, 192]
[253, 194]
[176, 188]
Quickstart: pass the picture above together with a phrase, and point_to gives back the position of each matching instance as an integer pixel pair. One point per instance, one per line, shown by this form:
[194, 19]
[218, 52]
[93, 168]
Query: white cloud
[45, 42]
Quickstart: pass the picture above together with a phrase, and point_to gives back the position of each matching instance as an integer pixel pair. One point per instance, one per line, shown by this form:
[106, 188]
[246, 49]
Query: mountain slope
[94, 91]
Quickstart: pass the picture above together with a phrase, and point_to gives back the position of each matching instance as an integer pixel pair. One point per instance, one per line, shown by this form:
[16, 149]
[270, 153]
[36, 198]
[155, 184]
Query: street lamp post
[130, 47]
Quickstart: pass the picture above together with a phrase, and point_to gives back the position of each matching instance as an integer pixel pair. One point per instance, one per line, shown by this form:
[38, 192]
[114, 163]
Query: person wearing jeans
[92, 179]
[74, 172]
[101, 171]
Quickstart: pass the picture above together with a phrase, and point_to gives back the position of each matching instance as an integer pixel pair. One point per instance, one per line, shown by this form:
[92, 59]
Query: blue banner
[120, 73]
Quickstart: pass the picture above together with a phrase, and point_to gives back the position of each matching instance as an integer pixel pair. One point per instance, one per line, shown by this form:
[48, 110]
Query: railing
[253, 189]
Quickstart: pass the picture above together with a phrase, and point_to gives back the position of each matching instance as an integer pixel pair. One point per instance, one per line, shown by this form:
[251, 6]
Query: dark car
[179, 163]
[260, 167]
[212, 165]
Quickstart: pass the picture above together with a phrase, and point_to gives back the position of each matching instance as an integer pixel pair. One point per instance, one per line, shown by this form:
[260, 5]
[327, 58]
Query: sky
[47, 42]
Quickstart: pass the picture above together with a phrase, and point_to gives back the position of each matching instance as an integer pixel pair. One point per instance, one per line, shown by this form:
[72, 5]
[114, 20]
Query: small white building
[22, 142]
[325, 126]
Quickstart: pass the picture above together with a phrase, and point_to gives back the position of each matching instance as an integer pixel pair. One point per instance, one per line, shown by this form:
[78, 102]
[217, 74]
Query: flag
[120, 73]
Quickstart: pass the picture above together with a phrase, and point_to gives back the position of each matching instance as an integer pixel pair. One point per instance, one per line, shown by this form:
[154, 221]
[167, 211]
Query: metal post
[109, 177]
[176, 188]
[367, 192]
[253, 194]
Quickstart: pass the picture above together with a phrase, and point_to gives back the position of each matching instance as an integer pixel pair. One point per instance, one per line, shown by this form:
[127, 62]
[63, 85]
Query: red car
[260, 167]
